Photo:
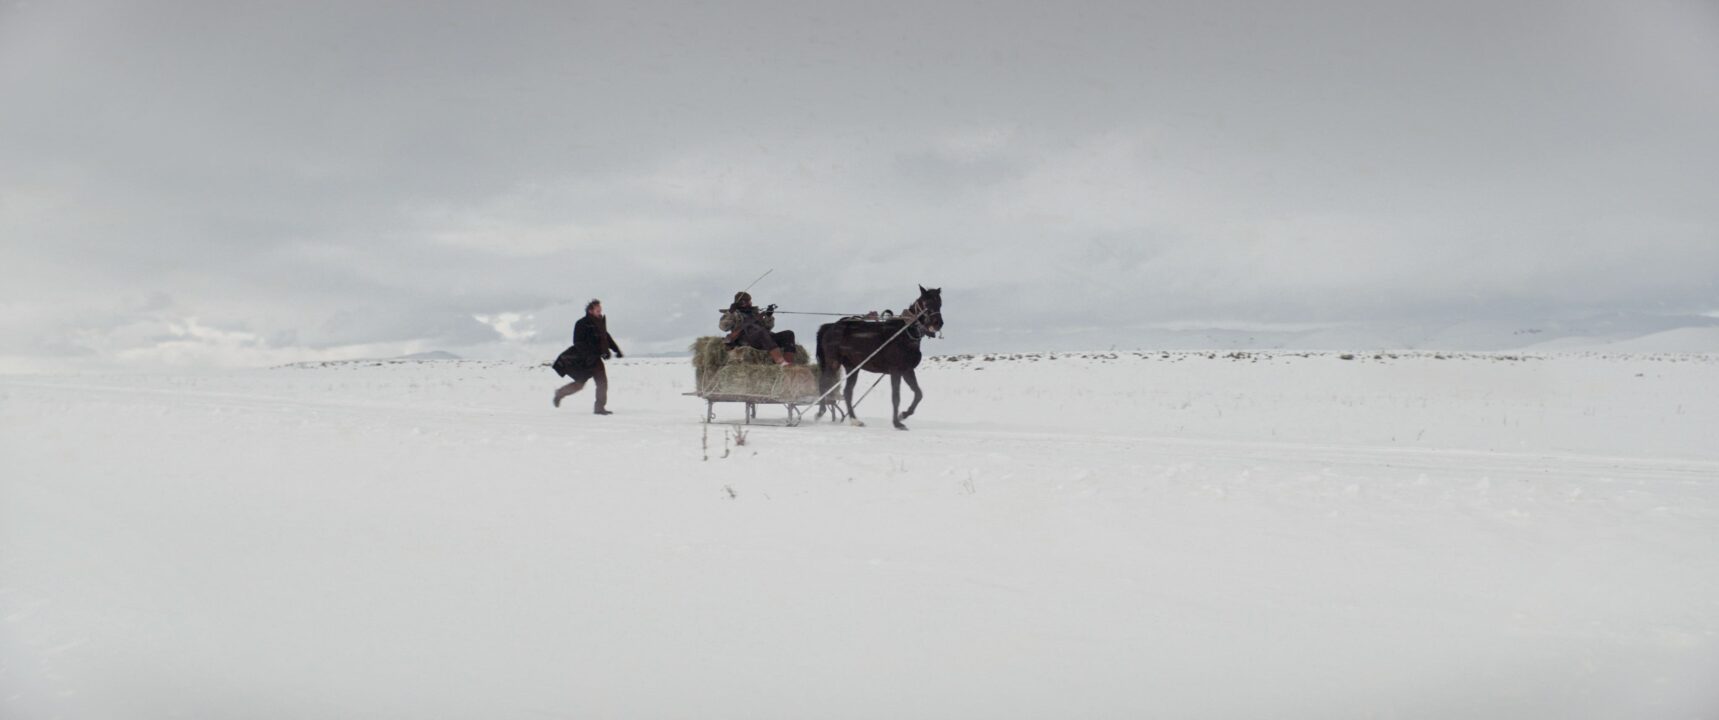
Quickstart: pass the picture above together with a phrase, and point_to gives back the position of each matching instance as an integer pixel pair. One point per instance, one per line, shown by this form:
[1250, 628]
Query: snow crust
[1100, 535]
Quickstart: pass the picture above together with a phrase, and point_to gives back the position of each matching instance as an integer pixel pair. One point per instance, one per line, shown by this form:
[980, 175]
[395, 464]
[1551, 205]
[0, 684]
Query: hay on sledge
[749, 371]
[798, 382]
[708, 354]
[753, 356]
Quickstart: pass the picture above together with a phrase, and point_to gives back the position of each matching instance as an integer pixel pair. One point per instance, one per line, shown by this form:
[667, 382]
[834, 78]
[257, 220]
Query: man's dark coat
[591, 344]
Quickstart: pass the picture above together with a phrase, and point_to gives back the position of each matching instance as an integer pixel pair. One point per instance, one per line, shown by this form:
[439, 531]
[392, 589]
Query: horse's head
[927, 311]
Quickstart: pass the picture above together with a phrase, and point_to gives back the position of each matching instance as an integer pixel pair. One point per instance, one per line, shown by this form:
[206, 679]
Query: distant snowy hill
[1679, 340]
[431, 355]
[1621, 332]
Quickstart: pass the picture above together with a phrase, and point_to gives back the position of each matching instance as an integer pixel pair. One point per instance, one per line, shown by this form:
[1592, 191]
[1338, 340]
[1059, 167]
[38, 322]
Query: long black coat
[591, 343]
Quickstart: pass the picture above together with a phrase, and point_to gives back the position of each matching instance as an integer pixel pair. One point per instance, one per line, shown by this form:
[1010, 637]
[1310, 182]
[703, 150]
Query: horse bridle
[920, 328]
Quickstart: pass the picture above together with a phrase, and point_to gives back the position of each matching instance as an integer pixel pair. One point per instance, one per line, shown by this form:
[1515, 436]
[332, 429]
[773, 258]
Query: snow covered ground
[1179, 535]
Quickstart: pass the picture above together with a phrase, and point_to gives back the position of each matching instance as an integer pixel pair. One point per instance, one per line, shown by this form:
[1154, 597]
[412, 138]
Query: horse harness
[918, 328]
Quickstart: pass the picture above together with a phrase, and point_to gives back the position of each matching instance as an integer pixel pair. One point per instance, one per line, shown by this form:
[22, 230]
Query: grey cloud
[320, 176]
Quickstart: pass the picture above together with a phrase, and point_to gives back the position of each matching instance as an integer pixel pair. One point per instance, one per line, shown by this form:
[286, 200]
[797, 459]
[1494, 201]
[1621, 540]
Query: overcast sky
[250, 183]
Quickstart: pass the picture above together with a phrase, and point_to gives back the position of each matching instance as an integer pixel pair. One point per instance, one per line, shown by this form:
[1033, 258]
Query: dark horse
[892, 347]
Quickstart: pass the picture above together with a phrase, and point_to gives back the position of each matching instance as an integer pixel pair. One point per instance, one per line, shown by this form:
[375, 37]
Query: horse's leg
[848, 393]
[895, 400]
[913, 384]
[824, 394]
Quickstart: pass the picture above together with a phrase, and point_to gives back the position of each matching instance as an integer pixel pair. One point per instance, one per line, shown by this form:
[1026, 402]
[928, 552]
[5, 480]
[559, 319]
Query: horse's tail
[827, 367]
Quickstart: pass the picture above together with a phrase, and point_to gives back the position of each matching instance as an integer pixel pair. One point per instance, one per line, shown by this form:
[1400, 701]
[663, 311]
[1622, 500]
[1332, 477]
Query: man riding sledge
[747, 325]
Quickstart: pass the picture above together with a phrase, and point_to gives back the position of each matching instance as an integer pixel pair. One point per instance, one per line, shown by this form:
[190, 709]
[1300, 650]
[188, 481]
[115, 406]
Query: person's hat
[742, 296]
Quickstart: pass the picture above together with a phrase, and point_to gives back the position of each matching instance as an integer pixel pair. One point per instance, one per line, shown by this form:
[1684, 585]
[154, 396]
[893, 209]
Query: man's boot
[776, 355]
